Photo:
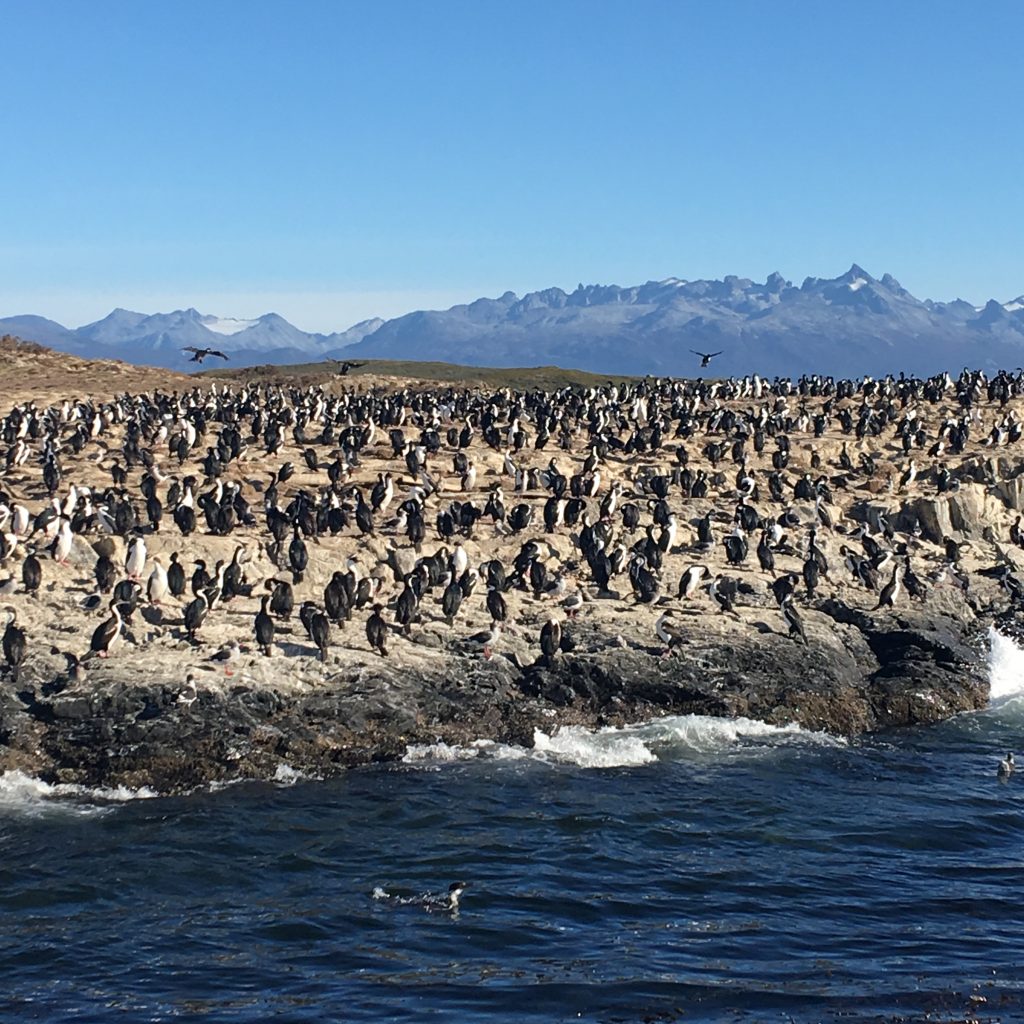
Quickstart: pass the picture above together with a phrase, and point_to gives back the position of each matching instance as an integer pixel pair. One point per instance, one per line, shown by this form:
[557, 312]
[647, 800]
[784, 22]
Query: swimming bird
[1006, 767]
[432, 902]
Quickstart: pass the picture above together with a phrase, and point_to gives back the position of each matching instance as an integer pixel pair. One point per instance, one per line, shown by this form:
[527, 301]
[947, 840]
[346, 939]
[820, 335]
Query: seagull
[189, 694]
[705, 357]
[199, 354]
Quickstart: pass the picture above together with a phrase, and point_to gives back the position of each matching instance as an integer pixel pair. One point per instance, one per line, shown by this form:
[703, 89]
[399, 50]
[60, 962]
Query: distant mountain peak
[850, 324]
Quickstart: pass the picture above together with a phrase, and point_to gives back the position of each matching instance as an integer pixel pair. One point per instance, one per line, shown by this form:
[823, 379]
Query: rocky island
[216, 578]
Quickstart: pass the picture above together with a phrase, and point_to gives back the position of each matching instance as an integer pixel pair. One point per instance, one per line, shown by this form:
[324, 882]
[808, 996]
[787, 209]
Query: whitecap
[441, 752]
[25, 794]
[587, 748]
[1005, 667]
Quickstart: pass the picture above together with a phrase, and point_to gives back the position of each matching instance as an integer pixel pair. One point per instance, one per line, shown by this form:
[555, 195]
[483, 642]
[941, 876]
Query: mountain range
[850, 325]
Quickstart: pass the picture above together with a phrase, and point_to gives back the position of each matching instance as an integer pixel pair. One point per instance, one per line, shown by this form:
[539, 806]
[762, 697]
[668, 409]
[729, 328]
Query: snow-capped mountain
[851, 324]
[159, 339]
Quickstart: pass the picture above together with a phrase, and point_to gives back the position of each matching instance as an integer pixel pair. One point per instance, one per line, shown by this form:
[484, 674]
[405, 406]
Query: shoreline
[830, 656]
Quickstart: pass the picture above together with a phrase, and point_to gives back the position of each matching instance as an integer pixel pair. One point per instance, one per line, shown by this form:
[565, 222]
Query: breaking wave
[24, 794]
[665, 739]
[1006, 668]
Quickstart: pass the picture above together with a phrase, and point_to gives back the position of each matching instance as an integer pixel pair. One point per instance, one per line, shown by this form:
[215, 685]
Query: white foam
[1005, 667]
[440, 753]
[605, 748]
[670, 739]
[24, 794]
[666, 739]
[286, 775]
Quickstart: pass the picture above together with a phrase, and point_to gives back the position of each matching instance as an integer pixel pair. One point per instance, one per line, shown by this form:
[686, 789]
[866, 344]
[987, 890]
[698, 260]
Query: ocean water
[689, 869]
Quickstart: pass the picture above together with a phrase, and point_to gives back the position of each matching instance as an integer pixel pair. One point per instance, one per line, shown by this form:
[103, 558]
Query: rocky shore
[134, 720]
[133, 729]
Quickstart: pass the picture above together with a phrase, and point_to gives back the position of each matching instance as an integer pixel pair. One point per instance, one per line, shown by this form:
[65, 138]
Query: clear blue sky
[334, 160]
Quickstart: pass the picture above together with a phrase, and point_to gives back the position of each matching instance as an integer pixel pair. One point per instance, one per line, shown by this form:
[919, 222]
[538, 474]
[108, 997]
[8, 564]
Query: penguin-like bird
[551, 640]
[377, 631]
[13, 644]
[108, 633]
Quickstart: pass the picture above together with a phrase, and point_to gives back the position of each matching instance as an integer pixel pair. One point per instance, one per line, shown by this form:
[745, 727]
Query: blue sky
[333, 161]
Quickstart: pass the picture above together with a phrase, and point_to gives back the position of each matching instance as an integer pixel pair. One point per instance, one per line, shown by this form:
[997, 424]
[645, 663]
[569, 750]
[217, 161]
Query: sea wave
[25, 794]
[1006, 668]
[670, 738]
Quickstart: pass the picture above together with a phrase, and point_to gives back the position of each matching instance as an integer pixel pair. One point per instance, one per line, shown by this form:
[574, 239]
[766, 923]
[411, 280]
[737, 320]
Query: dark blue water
[744, 874]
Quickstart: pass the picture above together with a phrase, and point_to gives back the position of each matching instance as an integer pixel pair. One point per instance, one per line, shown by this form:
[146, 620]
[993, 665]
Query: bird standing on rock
[108, 633]
[550, 640]
[264, 627]
[13, 644]
[377, 631]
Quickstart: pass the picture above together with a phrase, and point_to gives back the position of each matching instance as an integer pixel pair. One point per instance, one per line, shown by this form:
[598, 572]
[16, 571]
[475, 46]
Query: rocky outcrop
[858, 671]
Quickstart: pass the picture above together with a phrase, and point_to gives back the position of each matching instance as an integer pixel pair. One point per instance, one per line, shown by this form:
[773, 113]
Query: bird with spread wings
[199, 354]
[705, 357]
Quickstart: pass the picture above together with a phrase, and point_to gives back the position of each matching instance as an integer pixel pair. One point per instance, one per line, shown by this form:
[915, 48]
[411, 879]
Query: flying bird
[705, 357]
[345, 366]
[199, 354]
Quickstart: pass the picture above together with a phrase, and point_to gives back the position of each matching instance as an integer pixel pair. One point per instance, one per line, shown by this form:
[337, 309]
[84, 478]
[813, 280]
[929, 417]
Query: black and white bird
[551, 640]
[108, 633]
[377, 631]
[447, 902]
[793, 617]
[13, 644]
[668, 632]
[705, 357]
[264, 627]
[691, 579]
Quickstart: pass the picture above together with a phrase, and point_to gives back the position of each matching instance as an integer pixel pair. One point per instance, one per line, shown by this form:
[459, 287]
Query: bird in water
[432, 902]
[1006, 767]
